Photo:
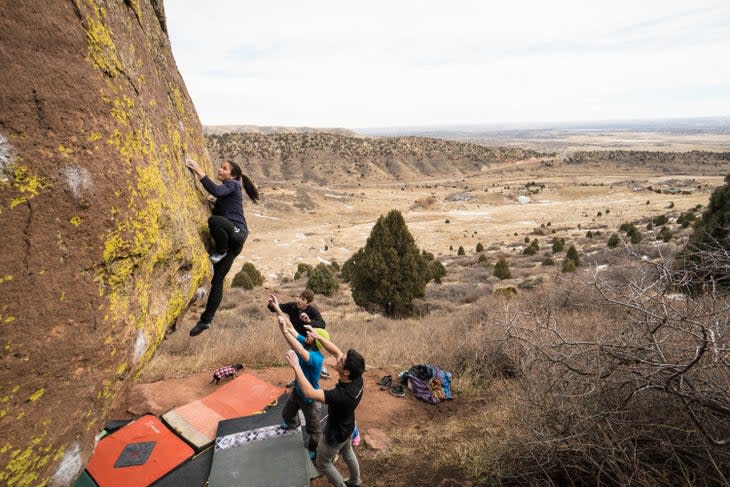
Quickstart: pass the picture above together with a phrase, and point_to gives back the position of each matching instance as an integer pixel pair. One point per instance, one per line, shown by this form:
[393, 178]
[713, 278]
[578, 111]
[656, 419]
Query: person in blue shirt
[227, 227]
[308, 349]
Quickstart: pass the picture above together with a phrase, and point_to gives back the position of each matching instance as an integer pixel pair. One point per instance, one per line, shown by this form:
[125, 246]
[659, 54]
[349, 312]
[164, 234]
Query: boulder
[102, 225]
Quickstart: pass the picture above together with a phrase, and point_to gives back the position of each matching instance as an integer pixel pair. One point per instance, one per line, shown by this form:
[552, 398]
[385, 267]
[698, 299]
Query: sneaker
[325, 374]
[199, 328]
[349, 483]
[217, 257]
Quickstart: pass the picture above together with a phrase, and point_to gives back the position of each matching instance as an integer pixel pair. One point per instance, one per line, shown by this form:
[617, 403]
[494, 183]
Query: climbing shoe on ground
[385, 381]
[199, 328]
[217, 257]
[397, 390]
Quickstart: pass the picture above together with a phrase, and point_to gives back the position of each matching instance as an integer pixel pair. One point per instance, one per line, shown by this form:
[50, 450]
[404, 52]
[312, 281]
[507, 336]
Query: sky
[426, 63]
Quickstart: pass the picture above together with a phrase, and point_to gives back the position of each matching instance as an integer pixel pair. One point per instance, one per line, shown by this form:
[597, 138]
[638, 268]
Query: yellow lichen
[6, 278]
[65, 151]
[102, 52]
[25, 183]
[9, 319]
[94, 136]
[75, 221]
[36, 395]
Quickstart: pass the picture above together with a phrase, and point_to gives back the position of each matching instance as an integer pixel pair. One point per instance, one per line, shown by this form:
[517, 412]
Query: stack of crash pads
[146, 452]
[197, 421]
[256, 452]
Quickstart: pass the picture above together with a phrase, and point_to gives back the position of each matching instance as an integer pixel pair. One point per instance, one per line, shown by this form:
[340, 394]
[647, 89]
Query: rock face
[102, 225]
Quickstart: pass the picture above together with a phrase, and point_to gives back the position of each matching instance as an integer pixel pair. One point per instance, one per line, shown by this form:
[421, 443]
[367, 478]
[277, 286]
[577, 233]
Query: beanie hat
[324, 334]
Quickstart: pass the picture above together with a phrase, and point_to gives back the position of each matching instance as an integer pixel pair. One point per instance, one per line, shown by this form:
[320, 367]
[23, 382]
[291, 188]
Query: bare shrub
[641, 397]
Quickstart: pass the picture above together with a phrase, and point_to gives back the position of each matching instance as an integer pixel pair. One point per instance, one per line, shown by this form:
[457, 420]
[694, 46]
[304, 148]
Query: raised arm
[304, 385]
[327, 344]
[290, 335]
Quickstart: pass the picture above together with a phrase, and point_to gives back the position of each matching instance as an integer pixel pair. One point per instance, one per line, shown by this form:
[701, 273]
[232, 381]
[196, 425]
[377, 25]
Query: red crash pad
[197, 421]
[137, 454]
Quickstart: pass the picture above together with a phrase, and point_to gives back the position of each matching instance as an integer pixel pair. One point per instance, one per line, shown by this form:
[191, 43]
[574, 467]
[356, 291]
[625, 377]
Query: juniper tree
[322, 281]
[501, 270]
[389, 271]
[709, 240]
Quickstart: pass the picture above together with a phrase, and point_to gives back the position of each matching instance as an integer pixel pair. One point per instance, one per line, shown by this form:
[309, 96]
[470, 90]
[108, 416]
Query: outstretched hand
[292, 358]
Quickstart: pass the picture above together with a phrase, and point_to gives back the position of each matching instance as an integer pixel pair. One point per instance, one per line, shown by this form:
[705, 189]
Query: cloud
[414, 63]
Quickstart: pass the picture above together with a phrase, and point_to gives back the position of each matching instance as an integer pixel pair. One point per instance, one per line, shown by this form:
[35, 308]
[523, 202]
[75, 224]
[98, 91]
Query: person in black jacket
[300, 312]
[227, 227]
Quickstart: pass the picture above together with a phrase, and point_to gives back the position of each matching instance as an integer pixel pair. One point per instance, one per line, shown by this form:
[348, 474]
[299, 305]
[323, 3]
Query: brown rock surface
[100, 220]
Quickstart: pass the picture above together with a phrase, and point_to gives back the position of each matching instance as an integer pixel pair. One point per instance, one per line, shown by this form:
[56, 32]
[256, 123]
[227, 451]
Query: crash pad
[137, 454]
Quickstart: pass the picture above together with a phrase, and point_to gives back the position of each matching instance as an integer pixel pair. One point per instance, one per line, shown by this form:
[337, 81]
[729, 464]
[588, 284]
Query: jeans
[223, 231]
[325, 457]
[311, 416]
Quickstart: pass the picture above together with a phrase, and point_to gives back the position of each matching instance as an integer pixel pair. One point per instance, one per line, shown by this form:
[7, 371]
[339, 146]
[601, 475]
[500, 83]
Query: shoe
[385, 382]
[348, 483]
[217, 257]
[325, 374]
[199, 328]
[291, 384]
[397, 390]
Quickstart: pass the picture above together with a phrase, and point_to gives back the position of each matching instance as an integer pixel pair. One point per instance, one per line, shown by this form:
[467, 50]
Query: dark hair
[238, 366]
[354, 363]
[248, 185]
[308, 295]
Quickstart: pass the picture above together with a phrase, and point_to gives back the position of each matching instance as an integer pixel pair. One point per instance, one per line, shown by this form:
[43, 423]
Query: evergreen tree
[303, 269]
[613, 241]
[532, 249]
[460, 251]
[248, 277]
[558, 244]
[389, 271]
[322, 281]
[501, 270]
[710, 240]
[480, 247]
[572, 254]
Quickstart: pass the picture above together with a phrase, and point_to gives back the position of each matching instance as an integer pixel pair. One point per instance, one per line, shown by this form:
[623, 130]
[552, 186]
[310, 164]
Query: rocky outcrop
[328, 157]
[101, 222]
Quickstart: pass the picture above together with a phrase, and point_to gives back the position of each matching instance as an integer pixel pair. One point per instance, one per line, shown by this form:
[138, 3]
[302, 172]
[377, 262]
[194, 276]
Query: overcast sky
[415, 63]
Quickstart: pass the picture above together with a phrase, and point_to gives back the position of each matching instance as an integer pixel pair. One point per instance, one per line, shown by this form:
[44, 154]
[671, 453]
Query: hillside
[334, 158]
[693, 162]
[261, 129]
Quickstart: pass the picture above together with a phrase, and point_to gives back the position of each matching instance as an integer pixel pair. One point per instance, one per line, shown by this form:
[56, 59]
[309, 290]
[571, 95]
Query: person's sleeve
[287, 309]
[300, 339]
[332, 396]
[316, 318]
[217, 190]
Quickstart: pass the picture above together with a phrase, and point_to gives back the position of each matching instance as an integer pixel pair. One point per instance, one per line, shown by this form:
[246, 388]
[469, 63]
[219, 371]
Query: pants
[325, 462]
[225, 233]
[311, 416]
